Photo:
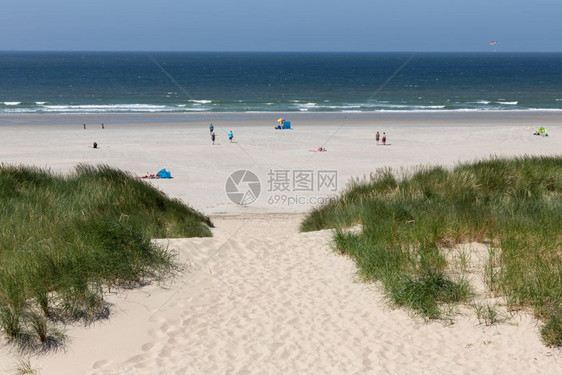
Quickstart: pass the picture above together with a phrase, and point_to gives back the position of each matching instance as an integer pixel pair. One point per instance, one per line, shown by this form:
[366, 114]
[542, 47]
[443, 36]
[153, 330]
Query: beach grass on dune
[512, 205]
[64, 240]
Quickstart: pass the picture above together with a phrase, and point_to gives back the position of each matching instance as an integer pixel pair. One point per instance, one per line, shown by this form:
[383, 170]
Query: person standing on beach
[230, 136]
[377, 137]
[211, 128]
[384, 139]
[213, 137]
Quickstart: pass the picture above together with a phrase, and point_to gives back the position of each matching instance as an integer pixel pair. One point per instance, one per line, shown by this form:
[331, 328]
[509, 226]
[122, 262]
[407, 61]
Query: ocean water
[115, 82]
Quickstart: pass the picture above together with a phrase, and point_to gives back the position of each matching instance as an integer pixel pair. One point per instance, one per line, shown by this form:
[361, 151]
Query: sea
[186, 82]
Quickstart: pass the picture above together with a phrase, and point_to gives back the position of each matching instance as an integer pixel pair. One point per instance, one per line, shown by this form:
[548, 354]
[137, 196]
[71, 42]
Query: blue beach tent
[163, 173]
[286, 124]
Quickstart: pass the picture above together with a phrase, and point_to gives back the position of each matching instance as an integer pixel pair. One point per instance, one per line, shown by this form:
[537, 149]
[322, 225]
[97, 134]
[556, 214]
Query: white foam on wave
[100, 108]
[12, 103]
[495, 109]
[41, 103]
[306, 106]
[368, 106]
[202, 101]
[405, 106]
[379, 105]
[108, 108]
[18, 110]
[483, 102]
[343, 107]
[545, 109]
[442, 110]
[201, 109]
[429, 106]
[508, 103]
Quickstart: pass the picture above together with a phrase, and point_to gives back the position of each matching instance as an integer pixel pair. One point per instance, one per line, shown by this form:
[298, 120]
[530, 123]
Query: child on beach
[230, 136]
[211, 128]
[384, 139]
[213, 137]
[377, 137]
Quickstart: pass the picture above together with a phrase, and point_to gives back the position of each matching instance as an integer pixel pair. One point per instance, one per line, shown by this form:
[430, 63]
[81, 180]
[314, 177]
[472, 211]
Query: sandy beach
[145, 144]
[260, 297]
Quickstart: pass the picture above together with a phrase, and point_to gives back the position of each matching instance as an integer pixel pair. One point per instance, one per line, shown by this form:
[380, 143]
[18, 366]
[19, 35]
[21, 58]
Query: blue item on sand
[286, 124]
[163, 173]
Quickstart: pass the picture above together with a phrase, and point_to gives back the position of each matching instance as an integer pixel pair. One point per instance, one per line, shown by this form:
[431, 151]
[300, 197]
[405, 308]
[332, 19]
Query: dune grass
[64, 240]
[513, 205]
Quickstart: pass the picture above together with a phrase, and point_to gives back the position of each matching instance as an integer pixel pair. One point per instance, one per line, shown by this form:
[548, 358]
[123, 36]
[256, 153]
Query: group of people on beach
[214, 137]
[383, 139]
[380, 139]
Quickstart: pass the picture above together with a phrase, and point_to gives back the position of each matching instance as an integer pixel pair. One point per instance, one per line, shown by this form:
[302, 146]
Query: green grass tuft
[66, 239]
[514, 205]
[24, 368]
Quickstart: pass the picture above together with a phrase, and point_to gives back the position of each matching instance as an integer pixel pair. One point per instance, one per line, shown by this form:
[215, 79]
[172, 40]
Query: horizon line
[267, 52]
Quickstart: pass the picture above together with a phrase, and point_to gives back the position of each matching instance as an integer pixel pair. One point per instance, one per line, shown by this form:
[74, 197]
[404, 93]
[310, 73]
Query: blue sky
[288, 25]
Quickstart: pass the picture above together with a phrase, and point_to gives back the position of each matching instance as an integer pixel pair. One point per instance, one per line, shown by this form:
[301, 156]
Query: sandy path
[271, 300]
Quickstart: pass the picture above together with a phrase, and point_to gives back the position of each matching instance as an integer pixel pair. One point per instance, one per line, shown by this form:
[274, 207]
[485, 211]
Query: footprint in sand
[100, 364]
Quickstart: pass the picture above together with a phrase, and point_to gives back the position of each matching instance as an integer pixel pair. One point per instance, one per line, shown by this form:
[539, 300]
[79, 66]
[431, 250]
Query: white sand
[259, 297]
[200, 170]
